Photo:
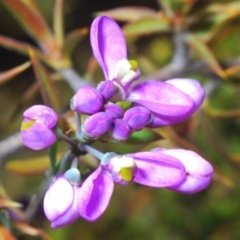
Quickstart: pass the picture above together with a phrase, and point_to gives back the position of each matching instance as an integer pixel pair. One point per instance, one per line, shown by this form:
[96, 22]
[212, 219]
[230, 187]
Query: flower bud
[60, 202]
[36, 127]
[198, 171]
[114, 110]
[73, 176]
[119, 131]
[87, 100]
[107, 89]
[137, 117]
[97, 124]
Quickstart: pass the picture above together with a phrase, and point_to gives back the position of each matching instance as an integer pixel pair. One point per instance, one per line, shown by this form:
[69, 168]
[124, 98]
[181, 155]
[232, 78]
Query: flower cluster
[152, 104]
[179, 170]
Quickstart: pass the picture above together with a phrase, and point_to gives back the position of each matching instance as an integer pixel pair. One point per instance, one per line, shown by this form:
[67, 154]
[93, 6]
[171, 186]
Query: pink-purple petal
[108, 44]
[48, 115]
[192, 184]
[58, 198]
[161, 98]
[95, 194]
[155, 169]
[72, 213]
[38, 136]
[194, 164]
[191, 87]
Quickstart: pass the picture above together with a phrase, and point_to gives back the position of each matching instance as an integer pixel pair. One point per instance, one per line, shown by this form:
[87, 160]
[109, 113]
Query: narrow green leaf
[8, 75]
[176, 6]
[29, 17]
[27, 96]
[58, 22]
[52, 152]
[30, 166]
[146, 26]
[73, 39]
[22, 48]
[217, 14]
[129, 14]
[33, 166]
[47, 86]
[204, 53]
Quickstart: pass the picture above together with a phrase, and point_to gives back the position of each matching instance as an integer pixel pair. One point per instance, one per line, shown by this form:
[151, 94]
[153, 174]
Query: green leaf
[204, 53]
[22, 48]
[73, 39]
[58, 22]
[30, 166]
[28, 15]
[47, 86]
[176, 6]
[52, 152]
[217, 15]
[145, 135]
[146, 26]
[8, 75]
[129, 14]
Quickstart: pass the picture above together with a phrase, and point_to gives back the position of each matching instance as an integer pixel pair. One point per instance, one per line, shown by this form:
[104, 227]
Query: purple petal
[42, 112]
[191, 87]
[114, 110]
[87, 100]
[108, 44]
[71, 215]
[120, 130]
[38, 136]
[157, 170]
[97, 124]
[159, 120]
[137, 117]
[194, 164]
[107, 89]
[192, 184]
[58, 198]
[95, 194]
[161, 98]
[198, 170]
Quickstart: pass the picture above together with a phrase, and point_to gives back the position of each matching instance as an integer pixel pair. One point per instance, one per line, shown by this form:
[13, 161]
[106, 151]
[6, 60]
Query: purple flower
[198, 171]
[170, 102]
[147, 168]
[37, 127]
[109, 49]
[87, 100]
[95, 194]
[60, 202]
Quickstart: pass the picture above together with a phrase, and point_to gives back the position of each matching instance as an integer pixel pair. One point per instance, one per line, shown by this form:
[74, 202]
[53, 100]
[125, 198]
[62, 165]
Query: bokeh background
[206, 33]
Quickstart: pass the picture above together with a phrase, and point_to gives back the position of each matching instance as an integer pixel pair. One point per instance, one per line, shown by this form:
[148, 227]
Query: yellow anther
[26, 125]
[133, 64]
[126, 173]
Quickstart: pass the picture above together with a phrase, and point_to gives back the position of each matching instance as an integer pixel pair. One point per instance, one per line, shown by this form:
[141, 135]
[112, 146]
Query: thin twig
[74, 80]
[9, 145]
